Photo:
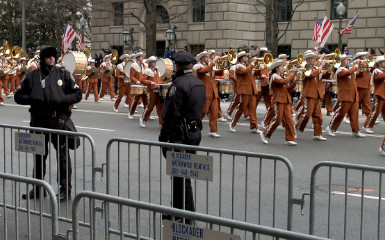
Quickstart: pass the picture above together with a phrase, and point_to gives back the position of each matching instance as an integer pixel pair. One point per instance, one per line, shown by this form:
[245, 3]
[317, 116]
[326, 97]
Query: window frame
[118, 19]
[201, 9]
[288, 11]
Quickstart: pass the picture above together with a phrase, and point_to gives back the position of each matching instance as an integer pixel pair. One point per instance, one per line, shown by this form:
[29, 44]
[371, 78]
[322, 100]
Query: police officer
[50, 90]
[181, 119]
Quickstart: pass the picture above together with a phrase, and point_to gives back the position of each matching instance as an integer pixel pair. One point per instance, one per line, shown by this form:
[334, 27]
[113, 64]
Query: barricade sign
[29, 142]
[189, 165]
[180, 231]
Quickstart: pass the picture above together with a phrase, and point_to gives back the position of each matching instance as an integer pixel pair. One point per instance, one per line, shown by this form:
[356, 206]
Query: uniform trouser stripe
[336, 114]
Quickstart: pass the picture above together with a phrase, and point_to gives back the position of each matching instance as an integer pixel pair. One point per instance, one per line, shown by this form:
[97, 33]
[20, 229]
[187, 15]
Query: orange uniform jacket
[106, 79]
[232, 78]
[347, 87]
[136, 74]
[258, 75]
[204, 73]
[379, 84]
[120, 76]
[91, 79]
[363, 79]
[246, 82]
[149, 76]
[312, 85]
[281, 88]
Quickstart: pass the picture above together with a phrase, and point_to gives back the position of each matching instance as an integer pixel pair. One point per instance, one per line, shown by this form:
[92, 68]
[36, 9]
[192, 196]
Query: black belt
[193, 124]
[51, 114]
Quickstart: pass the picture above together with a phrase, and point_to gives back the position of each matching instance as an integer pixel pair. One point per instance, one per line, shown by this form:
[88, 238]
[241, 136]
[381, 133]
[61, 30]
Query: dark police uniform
[50, 90]
[181, 120]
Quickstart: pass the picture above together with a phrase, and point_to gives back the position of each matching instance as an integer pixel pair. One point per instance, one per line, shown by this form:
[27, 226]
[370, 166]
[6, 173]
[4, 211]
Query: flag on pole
[317, 28]
[80, 39]
[349, 28]
[325, 31]
[68, 37]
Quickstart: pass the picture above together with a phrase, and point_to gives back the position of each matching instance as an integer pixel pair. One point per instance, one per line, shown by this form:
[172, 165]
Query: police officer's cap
[183, 58]
[48, 52]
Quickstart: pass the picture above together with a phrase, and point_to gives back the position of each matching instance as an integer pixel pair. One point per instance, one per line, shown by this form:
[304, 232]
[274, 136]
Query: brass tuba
[87, 52]
[114, 56]
[16, 53]
[267, 61]
[6, 49]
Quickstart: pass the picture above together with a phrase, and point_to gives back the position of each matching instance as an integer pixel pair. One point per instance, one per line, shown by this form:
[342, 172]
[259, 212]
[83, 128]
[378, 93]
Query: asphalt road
[99, 120]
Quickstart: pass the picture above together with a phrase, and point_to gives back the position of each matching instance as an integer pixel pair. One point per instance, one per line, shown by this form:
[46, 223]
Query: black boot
[34, 193]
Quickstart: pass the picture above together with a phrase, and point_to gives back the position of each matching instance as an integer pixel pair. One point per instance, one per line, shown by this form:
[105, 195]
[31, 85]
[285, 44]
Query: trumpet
[366, 64]
[267, 61]
[231, 57]
[296, 62]
[303, 72]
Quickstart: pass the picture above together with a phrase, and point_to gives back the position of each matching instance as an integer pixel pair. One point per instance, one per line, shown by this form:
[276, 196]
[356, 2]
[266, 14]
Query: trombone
[231, 57]
[267, 61]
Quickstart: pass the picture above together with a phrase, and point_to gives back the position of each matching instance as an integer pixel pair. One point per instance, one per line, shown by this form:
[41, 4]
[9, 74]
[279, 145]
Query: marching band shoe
[263, 125]
[1, 104]
[130, 116]
[228, 116]
[290, 143]
[319, 138]
[74, 107]
[141, 105]
[115, 109]
[85, 99]
[263, 138]
[346, 120]
[377, 121]
[255, 130]
[34, 194]
[222, 119]
[214, 135]
[382, 151]
[232, 129]
[9, 95]
[152, 118]
[141, 122]
[101, 99]
[368, 130]
[330, 132]
[98, 101]
[358, 135]
[126, 105]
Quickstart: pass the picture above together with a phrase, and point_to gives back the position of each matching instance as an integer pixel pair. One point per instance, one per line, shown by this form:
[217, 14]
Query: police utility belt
[192, 125]
[51, 114]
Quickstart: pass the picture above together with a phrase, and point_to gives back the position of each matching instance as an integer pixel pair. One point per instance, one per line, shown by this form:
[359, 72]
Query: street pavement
[102, 123]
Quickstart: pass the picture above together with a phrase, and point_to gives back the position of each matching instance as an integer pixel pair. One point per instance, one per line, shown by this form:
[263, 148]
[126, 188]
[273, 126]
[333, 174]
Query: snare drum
[225, 87]
[163, 89]
[334, 88]
[137, 90]
[165, 66]
[75, 62]
[258, 85]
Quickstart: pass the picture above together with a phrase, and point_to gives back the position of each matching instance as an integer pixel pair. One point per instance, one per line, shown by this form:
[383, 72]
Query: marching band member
[378, 80]
[263, 75]
[247, 91]
[107, 81]
[152, 78]
[123, 82]
[2, 78]
[363, 85]
[348, 98]
[282, 103]
[12, 76]
[312, 94]
[136, 75]
[80, 82]
[203, 70]
[35, 62]
[92, 81]
[236, 99]
[21, 71]
[7, 77]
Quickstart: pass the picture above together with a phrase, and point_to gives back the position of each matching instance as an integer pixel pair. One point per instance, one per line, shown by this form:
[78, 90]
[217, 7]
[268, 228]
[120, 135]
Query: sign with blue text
[189, 165]
[29, 142]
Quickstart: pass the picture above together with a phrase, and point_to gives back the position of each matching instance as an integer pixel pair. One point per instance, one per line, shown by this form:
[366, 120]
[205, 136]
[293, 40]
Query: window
[198, 10]
[162, 15]
[333, 6]
[284, 8]
[195, 49]
[160, 48]
[285, 49]
[118, 14]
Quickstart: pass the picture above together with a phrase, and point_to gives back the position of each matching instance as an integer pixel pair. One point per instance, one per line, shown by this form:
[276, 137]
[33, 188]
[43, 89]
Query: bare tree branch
[299, 3]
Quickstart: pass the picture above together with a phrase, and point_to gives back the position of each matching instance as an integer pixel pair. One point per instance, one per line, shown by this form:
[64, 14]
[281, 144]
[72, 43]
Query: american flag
[80, 39]
[325, 31]
[68, 37]
[349, 28]
[317, 28]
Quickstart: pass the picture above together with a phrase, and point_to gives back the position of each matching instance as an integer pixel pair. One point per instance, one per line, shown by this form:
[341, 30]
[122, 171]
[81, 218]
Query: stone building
[224, 24]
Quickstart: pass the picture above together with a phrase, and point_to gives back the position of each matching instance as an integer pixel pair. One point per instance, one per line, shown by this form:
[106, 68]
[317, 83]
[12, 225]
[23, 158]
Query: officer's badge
[172, 91]
[59, 82]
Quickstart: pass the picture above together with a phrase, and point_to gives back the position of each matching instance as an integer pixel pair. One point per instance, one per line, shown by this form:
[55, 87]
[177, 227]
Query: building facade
[224, 24]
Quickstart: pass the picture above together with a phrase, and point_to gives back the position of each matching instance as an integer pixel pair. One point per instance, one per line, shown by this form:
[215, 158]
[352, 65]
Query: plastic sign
[189, 165]
[30, 143]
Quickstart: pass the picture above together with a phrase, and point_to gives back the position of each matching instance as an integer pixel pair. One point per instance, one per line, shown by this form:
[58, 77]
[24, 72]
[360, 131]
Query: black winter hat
[47, 51]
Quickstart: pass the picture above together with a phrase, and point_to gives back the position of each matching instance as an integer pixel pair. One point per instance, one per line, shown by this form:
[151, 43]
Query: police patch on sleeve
[172, 91]
[59, 82]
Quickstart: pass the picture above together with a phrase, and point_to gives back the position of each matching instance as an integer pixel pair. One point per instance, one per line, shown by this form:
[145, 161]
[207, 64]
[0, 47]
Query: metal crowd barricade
[15, 224]
[247, 186]
[346, 189]
[22, 164]
[139, 209]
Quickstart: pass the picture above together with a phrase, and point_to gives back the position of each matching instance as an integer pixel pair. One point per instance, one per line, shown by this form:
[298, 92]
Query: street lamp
[340, 12]
[128, 37]
[171, 36]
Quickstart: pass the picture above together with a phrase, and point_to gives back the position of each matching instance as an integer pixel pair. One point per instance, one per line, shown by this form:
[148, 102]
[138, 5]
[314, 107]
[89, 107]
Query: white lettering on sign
[30, 143]
[180, 231]
[189, 165]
